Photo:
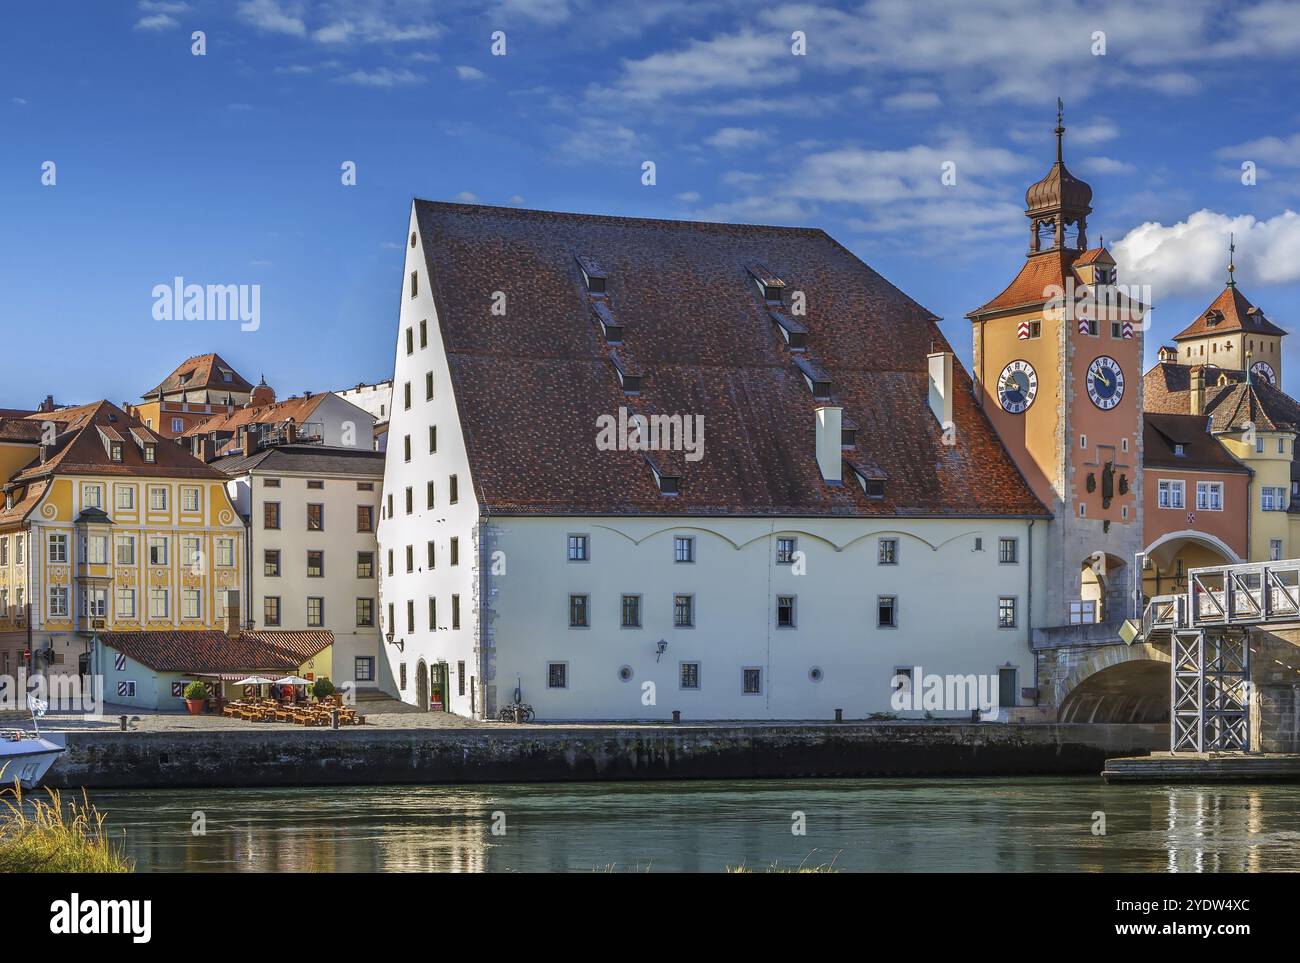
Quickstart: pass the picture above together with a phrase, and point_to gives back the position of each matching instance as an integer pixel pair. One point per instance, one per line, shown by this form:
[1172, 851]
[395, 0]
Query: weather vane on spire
[1232, 250]
[1060, 128]
[1060, 110]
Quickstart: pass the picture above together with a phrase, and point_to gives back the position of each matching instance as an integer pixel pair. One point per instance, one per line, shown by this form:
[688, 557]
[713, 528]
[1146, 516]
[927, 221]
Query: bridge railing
[1247, 594]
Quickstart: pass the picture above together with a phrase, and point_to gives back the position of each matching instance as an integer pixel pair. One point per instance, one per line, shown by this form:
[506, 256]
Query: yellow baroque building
[106, 526]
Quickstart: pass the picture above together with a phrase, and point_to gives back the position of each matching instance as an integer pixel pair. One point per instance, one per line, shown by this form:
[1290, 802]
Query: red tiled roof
[1238, 406]
[1230, 312]
[296, 408]
[1039, 274]
[27, 499]
[212, 650]
[199, 372]
[80, 448]
[531, 384]
[1099, 254]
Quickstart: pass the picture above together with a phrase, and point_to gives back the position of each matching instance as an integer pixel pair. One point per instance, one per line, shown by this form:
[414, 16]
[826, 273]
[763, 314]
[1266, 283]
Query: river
[880, 825]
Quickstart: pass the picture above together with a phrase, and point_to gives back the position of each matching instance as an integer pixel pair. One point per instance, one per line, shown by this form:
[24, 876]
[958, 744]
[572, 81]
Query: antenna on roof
[1060, 127]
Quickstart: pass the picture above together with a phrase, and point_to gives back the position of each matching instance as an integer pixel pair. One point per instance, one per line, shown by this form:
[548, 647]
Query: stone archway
[1118, 683]
[1103, 584]
[1171, 556]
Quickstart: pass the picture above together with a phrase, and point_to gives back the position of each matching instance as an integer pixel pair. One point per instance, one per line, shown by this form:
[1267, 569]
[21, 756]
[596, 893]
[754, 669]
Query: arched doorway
[1104, 592]
[422, 685]
[1172, 555]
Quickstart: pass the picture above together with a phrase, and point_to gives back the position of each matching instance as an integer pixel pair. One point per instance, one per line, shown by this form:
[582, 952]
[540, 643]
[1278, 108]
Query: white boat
[25, 756]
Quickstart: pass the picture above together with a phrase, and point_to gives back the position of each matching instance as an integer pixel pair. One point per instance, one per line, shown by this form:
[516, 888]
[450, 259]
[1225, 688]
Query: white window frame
[1207, 494]
[1171, 493]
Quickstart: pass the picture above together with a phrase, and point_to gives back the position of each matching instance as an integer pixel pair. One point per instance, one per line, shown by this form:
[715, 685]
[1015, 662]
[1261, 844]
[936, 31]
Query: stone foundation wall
[558, 754]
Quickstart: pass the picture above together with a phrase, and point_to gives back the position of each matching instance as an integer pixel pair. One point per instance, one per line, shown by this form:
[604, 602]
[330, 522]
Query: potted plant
[322, 689]
[196, 698]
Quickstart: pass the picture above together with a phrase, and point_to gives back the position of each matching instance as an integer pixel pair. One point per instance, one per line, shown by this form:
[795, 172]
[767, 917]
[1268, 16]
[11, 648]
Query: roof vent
[818, 378]
[612, 330]
[768, 283]
[593, 274]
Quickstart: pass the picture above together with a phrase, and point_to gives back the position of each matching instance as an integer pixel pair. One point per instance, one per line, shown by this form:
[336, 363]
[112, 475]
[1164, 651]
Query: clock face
[1017, 387]
[1105, 382]
[1262, 369]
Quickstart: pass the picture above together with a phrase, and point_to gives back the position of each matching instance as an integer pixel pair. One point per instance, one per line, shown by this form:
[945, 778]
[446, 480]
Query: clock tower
[1057, 365]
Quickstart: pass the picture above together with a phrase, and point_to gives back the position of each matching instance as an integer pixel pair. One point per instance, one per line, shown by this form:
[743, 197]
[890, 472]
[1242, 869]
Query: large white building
[842, 513]
[311, 513]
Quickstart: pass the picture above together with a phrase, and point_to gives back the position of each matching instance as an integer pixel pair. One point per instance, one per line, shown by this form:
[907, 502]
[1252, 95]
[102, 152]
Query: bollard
[677, 715]
[839, 715]
[334, 718]
[122, 721]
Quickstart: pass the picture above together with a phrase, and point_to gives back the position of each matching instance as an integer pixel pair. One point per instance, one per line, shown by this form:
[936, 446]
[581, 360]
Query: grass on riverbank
[49, 837]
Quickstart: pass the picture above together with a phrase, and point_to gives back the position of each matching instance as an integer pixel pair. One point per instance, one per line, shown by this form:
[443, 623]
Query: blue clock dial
[1105, 382]
[1017, 387]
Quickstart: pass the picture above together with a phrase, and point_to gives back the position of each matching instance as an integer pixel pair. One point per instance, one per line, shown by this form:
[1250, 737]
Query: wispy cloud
[1106, 165]
[913, 100]
[382, 77]
[273, 16]
[735, 138]
[469, 73]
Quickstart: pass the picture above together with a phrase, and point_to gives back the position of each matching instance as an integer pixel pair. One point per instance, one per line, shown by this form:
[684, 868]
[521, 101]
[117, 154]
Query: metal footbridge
[1208, 628]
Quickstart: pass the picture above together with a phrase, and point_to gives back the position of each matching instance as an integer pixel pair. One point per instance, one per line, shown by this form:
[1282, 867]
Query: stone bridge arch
[1116, 683]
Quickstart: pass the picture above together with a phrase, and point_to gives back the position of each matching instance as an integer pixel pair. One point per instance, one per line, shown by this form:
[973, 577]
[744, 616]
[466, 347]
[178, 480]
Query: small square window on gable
[593, 274]
[818, 378]
[769, 285]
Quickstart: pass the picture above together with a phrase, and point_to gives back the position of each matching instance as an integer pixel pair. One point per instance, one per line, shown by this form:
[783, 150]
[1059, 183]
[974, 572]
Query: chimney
[250, 440]
[830, 437]
[941, 386]
[290, 432]
[232, 614]
[1197, 400]
[47, 404]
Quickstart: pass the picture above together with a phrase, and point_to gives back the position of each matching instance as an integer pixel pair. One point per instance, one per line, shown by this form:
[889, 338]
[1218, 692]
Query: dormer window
[817, 377]
[150, 453]
[227, 375]
[875, 488]
[115, 451]
[612, 330]
[628, 378]
[668, 484]
[795, 334]
[848, 437]
[1180, 451]
[769, 285]
[593, 274]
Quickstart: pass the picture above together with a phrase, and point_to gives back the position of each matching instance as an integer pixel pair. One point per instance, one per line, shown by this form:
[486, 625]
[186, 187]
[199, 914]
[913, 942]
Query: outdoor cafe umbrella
[255, 680]
[293, 680]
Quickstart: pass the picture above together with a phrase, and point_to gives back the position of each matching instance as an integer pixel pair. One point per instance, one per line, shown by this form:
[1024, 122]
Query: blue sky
[225, 168]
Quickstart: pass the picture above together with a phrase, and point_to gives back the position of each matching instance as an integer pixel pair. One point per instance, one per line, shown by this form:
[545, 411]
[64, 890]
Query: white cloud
[1105, 165]
[272, 16]
[745, 60]
[547, 12]
[1192, 255]
[382, 77]
[163, 6]
[688, 197]
[466, 197]
[913, 100]
[157, 21]
[1284, 152]
[593, 140]
[735, 138]
[516, 199]
[335, 22]
[856, 176]
[469, 73]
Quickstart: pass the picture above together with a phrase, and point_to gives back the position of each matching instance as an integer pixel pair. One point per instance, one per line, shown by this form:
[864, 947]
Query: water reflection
[871, 825]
